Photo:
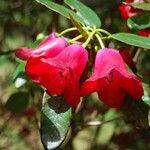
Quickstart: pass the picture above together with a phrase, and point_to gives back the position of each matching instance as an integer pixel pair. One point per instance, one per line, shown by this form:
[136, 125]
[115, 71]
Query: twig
[137, 54]
[7, 52]
[99, 123]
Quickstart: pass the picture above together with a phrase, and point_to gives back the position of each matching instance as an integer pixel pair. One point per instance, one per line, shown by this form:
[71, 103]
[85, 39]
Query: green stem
[106, 37]
[75, 39]
[100, 41]
[67, 30]
[89, 38]
[73, 29]
[103, 31]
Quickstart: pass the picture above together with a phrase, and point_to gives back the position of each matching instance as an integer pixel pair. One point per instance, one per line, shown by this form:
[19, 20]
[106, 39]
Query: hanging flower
[127, 58]
[111, 79]
[144, 32]
[60, 75]
[49, 47]
[127, 11]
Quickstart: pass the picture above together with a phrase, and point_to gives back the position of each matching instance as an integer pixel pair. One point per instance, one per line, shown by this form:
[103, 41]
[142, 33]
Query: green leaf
[21, 80]
[89, 17]
[132, 39]
[136, 112]
[107, 130]
[55, 121]
[143, 6]
[62, 10]
[17, 102]
[139, 21]
[146, 96]
[20, 69]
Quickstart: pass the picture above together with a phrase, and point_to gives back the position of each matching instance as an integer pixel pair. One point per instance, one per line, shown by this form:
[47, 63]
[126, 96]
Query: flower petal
[133, 86]
[106, 60]
[112, 80]
[74, 57]
[61, 74]
[49, 47]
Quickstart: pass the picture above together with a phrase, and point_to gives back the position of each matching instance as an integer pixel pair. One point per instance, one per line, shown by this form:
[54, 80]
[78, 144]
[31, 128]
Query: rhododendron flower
[112, 80]
[60, 75]
[127, 11]
[49, 47]
[127, 58]
[144, 32]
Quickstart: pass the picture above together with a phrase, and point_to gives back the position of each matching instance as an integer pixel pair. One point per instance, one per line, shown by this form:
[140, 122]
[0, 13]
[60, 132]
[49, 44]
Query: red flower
[49, 47]
[29, 112]
[127, 11]
[144, 32]
[127, 58]
[112, 80]
[60, 75]
[129, 1]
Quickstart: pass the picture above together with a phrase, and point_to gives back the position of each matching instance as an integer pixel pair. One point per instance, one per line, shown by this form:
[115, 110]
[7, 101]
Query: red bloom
[144, 32]
[49, 47]
[60, 75]
[127, 58]
[112, 80]
[127, 11]
[129, 1]
[29, 112]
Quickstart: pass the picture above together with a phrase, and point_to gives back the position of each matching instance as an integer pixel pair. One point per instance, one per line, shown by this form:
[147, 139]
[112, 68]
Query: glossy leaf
[132, 39]
[62, 10]
[139, 21]
[143, 6]
[17, 102]
[89, 17]
[55, 121]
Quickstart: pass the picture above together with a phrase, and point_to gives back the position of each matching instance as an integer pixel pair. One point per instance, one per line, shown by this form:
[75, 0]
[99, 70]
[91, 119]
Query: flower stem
[67, 30]
[103, 31]
[106, 37]
[100, 41]
[89, 38]
[73, 29]
[75, 39]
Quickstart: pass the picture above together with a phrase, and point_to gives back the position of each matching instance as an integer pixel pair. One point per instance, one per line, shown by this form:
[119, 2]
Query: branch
[99, 123]
[7, 52]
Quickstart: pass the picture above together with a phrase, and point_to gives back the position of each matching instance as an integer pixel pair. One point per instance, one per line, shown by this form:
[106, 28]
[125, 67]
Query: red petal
[127, 11]
[133, 86]
[61, 74]
[74, 57]
[48, 38]
[49, 47]
[106, 60]
[111, 92]
[144, 32]
[127, 58]
[111, 79]
[23, 53]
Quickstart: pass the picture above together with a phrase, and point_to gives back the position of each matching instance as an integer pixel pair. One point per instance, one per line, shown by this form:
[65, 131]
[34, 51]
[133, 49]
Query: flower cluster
[128, 11]
[60, 67]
